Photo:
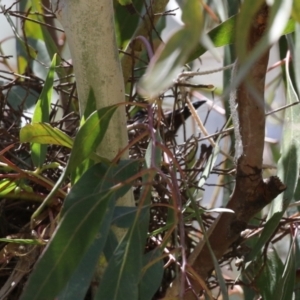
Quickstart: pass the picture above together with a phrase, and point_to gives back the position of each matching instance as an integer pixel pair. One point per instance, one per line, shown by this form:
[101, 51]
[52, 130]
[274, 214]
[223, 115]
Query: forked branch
[251, 192]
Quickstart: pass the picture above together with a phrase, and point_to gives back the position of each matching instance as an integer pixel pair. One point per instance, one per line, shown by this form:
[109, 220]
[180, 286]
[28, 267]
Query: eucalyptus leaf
[102, 177]
[7, 186]
[289, 163]
[86, 141]
[41, 114]
[45, 134]
[169, 59]
[151, 278]
[224, 34]
[285, 286]
[277, 22]
[296, 10]
[126, 22]
[122, 275]
[124, 216]
[90, 136]
[267, 272]
[86, 218]
[296, 56]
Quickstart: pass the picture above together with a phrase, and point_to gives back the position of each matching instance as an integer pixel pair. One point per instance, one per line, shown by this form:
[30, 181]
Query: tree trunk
[89, 27]
[251, 192]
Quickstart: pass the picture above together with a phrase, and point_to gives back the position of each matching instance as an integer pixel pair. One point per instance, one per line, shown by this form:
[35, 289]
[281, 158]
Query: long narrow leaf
[41, 114]
[88, 212]
[289, 162]
[168, 61]
[44, 133]
[122, 275]
[21, 42]
[87, 140]
[224, 34]
[151, 279]
[276, 26]
[285, 286]
[268, 271]
[41, 33]
[126, 22]
[296, 55]
[90, 136]
[6, 186]
[87, 163]
[79, 282]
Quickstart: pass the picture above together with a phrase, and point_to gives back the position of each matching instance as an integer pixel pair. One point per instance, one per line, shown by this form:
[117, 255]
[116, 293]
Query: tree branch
[251, 192]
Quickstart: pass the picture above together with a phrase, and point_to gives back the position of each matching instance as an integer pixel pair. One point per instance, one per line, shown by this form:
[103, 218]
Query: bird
[175, 118]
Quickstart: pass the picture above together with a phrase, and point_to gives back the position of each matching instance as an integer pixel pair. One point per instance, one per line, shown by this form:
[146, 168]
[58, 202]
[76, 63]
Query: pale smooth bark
[89, 28]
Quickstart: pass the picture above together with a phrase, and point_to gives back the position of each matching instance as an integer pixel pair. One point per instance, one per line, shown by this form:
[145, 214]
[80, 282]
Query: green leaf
[6, 186]
[90, 107]
[42, 107]
[124, 268]
[38, 37]
[36, 31]
[86, 213]
[90, 136]
[288, 165]
[81, 278]
[44, 133]
[277, 20]
[41, 114]
[245, 19]
[296, 57]
[101, 177]
[20, 41]
[276, 280]
[22, 241]
[269, 272]
[79, 282]
[285, 286]
[170, 58]
[296, 10]
[265, 236]
[127, 22]
[75, 234]
[151, 279]
[33, 30]
[209, 165]
[124, 215]
[86, 141]
[224, 34]
[87, 163]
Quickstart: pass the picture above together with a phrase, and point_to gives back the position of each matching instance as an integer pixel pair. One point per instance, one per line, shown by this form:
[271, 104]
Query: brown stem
[251, 192]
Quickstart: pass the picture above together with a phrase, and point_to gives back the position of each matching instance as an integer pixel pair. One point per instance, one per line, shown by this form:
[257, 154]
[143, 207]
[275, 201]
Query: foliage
[58, 197]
